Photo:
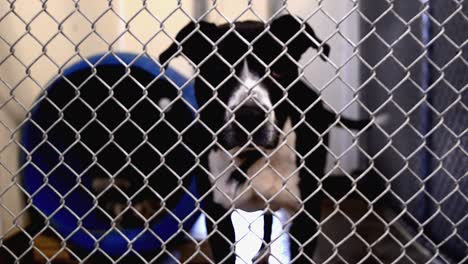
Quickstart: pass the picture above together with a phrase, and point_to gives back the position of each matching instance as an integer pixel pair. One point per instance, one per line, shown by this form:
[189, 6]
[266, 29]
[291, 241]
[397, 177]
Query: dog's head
[245, 70]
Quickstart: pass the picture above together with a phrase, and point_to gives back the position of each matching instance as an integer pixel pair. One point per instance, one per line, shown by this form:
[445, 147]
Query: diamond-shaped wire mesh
[233, 131]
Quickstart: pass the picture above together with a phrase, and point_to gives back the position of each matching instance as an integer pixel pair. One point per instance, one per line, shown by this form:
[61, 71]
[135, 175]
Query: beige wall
[225, 11]
[146, 32]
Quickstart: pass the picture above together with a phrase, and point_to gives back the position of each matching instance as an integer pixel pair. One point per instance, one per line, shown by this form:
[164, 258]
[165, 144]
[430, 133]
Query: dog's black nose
[250, 117]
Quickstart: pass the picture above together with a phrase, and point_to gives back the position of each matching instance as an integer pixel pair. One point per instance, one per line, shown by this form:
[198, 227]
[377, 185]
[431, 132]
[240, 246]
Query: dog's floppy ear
[194, 41]
[286, 29]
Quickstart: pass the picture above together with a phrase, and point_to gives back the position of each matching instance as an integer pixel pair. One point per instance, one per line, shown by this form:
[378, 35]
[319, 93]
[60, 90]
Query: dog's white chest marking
[271, 181]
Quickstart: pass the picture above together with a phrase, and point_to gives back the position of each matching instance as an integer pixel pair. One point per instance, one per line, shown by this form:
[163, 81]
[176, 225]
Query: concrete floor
[352, 232]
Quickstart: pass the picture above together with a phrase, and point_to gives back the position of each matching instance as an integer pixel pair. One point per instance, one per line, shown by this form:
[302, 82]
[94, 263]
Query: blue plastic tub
[61, 194]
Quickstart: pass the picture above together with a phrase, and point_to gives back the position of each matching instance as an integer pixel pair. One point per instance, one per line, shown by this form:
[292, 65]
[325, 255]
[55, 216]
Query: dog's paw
[382, 119]
[262, 256]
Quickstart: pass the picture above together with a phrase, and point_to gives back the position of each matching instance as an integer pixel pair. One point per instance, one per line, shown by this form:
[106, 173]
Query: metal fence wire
[233, 131]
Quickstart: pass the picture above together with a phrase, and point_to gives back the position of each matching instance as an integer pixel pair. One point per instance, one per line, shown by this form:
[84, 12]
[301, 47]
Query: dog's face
[245, 71]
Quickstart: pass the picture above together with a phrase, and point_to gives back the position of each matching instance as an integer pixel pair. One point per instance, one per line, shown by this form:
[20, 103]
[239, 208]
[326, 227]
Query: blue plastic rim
[65, 213]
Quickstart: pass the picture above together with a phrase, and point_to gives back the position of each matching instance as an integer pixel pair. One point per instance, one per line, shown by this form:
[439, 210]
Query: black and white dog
[262, 130]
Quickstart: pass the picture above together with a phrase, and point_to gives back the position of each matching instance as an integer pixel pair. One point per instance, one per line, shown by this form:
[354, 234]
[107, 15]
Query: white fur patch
[250, 85]
[272, 181]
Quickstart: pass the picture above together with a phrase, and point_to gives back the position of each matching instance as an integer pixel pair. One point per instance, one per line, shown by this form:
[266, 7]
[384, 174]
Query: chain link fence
[138, 131]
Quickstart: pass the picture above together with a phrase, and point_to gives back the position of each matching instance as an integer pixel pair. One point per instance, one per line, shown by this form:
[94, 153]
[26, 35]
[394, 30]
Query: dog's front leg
[303, 232]
[221, 233]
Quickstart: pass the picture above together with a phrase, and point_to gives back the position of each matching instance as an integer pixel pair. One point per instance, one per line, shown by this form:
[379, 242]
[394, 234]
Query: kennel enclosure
[407, 59]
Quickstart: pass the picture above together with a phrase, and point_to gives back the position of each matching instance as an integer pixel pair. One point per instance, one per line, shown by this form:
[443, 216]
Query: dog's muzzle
[249, 125]
[250, 118]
